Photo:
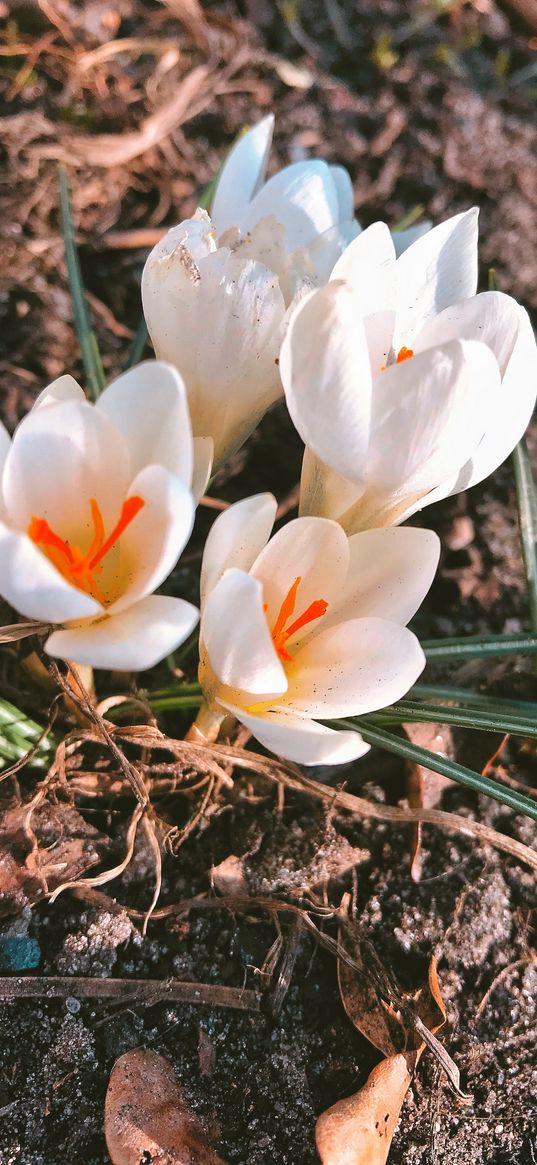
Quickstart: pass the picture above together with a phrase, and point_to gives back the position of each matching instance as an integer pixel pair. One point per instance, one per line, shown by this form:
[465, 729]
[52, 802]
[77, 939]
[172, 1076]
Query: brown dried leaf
[425, 787]
[42, 848]
[11, 632]
[146, 1117]
[359, 1129]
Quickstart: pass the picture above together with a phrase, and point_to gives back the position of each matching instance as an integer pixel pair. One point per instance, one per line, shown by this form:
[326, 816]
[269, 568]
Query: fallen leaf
[40, 848]
[359, 1129]
[425, 787]
[146, 1118]
[11, 632]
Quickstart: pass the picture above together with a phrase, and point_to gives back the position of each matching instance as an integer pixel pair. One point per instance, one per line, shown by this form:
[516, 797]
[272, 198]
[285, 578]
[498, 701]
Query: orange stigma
[404, 353]
[76, 566]
[280, 633]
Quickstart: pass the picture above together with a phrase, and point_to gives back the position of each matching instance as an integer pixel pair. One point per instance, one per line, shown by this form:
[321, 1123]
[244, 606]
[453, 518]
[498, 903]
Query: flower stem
[206, 726]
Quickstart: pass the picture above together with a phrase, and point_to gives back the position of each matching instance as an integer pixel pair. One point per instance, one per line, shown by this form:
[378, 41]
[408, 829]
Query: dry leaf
[359, 1129]
[42, 847]
[11, 632]
[146, 1117]
[425, 787]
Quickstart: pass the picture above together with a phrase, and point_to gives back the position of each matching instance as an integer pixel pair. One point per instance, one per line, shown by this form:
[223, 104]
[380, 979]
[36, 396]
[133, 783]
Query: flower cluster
[405, 386]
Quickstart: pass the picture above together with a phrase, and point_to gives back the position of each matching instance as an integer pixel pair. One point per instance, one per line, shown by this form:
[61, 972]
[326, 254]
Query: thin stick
[149, 991]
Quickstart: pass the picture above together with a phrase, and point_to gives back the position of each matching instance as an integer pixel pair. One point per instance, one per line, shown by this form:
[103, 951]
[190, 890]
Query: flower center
[77, 566]
[282, 633]
[404, 353]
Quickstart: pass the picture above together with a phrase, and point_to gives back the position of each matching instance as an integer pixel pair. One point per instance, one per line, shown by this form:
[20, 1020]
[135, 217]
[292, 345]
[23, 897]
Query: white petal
[491, 317]
[132, 641]
[390, 572]
[404, 239]
[300, 740]
[60, 457]
[203, 463]
[429, 414]
[368, 265]
[313, 264]
[62, 389]
[237, 639]
[345, 192]
[34, 587]
[326, 375]
[436, 271]
[323, 492]
[303, 197]
[312, 549]
[151, 544]
[148, 406]
[5, 446]
[354, 668]
[236, 538]
[222, 331]
[241, 175]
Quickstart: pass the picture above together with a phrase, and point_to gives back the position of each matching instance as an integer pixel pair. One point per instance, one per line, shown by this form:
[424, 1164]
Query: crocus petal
[151, 544]
[236, 538]
[241, 175]
[237, 639]
[221, 328]
[312, 549]
[300, 740]
[148, 406]
[203, 448]
[326, 375]
[353, 668]
[131, 641]
[368, 265]
[438, 269]
[30, 584]
[5, 445]
[501, 323]
[404, 239]
[303, 197]
[63, 388]
[390, 572]
[345, 192]
[60, 457]
[429, 414]
[313, 264]
[324, 492]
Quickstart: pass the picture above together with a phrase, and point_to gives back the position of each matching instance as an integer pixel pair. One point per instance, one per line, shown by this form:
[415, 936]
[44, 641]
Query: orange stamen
[404, 353]
[281, 634]
[76, 566]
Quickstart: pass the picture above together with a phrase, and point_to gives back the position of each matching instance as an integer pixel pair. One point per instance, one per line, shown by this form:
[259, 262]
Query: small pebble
[72, 1005]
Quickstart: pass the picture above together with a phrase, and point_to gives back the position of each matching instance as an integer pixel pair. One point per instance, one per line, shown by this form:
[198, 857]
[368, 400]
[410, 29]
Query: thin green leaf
[410, 218]
[527, 521]
[18, 734]
[415, 710]
[479, 647]
[86, 336]
[138, 345]
[495, 704]
[440, 764]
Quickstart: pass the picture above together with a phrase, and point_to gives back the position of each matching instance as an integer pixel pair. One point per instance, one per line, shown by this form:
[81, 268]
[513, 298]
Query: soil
[426, 105]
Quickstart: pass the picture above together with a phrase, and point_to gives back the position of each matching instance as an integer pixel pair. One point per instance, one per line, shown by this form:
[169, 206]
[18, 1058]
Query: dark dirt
[428, 109]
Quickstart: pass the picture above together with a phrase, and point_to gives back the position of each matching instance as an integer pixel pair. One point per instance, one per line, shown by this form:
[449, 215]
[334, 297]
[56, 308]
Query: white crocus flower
[306, 624]
[95, 509]
[215, 290]
[404, 385]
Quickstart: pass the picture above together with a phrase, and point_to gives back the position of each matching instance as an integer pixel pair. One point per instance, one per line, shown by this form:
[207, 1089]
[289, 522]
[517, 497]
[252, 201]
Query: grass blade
[495, 704]
[86, 336]
[137, 347]
[479, 647]
[527, 522]
[415, 710]
[440, 764]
